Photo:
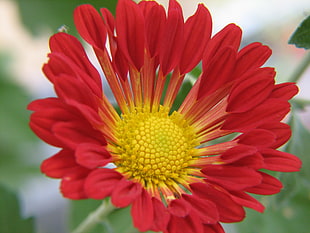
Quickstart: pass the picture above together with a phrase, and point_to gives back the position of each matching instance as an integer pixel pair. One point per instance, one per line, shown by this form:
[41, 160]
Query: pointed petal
[257, 137]
[246, 200]
[130, 31]
[280, 161]
[284, 91]
[90, 25]
[172, 41]
[179, 207]
[197, 32]
[252, 56]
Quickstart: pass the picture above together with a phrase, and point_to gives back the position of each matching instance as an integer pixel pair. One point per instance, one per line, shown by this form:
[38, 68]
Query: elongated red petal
[232, 178]
[246, 200]
[142, 211]
[101, 182]
[154, 28]
[280, 161]
[251, 56]
[218, 72]
[238, 152]
[269, 185]
[59, 164]
[213, 228]
[230, 36]
[284, 91]
[72, 134]
[125, 193]
[258, 138]
[228, 209]
[130, 31]
[70, 46]
[172, 41]
[92, 156]
[270, 110]
[90, 25]
[246, 94]
[197, 32]
[281, 130]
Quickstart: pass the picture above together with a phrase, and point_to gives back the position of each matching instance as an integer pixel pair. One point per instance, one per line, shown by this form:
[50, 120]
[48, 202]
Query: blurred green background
[30, 202]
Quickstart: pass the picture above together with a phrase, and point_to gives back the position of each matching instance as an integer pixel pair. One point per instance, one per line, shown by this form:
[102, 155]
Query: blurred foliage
[16, 139]
[301, 37]
[10, 219]
[38, 15]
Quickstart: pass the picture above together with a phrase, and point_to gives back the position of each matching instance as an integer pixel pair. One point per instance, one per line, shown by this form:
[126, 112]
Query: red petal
[281, 130]
[228, 209]
[154, 28]
[232, 178]
[214, 228]
[142, 211]
[101, 182]
[251, 57]
[74, 133]
[125, 192]
[284, 91]
[246, 200]
[179, 207]
[73, 49]
[218, 72]
[206, 210]
[92, 156]
[72, 184]
[188, 224]
[48, 112]
[237, 152]
[270, 110]
[90, 25]
[257, 137]
[197, 32]
[248, 93]
[161, 215]
[268, 186]
[230, 36]
[130, 31]
[59, 164]
[172, 40]
[280, 161]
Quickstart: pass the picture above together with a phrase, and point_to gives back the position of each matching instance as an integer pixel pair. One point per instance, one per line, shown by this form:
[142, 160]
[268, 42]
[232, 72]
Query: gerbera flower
[166, 164]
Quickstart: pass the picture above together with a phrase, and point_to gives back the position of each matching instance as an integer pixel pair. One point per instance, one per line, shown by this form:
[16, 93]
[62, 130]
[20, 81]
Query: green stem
[95, 217]
[305, 62]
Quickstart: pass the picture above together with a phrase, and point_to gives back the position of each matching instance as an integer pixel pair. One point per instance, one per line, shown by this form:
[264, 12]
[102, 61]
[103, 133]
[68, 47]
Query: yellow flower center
[154, 148]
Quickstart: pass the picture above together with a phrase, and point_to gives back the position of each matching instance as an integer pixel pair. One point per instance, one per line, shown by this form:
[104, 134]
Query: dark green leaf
[10, 219]
[301, 37]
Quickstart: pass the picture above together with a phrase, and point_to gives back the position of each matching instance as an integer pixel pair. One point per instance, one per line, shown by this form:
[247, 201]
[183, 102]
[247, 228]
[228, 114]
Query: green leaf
[301, 37]
[10, 219]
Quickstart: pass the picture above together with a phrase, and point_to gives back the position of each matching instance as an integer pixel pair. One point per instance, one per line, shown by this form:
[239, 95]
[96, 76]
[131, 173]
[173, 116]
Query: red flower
[166, 164]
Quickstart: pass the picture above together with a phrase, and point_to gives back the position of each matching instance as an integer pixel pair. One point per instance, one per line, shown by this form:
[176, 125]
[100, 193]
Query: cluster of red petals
[143, 37]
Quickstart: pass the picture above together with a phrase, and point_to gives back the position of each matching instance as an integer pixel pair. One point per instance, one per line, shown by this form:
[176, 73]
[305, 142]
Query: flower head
[166, 164]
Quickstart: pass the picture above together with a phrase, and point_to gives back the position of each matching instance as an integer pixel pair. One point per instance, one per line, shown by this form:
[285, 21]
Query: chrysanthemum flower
[166, 164]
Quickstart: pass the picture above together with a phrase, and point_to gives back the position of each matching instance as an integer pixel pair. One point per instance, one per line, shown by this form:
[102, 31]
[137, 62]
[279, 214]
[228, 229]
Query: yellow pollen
[154, 148]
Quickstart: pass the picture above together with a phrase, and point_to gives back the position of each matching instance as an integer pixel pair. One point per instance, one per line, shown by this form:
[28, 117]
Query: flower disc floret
[154, 148]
